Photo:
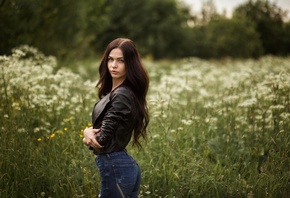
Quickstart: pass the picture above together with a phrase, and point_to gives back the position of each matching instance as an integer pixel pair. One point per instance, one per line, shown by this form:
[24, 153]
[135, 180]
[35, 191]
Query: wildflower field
[217, 128]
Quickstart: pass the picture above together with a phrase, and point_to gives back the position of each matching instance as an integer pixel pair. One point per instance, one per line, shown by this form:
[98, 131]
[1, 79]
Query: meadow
[217, 128]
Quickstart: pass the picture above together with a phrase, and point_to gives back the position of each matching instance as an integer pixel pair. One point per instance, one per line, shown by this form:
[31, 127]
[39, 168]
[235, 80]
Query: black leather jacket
[115, 115]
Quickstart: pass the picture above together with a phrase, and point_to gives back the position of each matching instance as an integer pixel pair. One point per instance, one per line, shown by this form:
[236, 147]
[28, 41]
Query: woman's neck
[116, 84]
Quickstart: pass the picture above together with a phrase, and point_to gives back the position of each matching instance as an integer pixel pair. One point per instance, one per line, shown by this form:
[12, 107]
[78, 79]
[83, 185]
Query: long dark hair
[136, 79]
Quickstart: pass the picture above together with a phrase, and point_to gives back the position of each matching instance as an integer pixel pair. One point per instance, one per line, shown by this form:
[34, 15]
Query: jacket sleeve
[116, 116]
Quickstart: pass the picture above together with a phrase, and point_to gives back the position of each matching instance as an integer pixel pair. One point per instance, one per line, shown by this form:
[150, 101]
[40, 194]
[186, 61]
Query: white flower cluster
[31, 81]
[222, 87]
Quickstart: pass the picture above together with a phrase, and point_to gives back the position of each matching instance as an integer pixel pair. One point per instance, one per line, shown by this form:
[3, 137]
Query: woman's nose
[113, 64]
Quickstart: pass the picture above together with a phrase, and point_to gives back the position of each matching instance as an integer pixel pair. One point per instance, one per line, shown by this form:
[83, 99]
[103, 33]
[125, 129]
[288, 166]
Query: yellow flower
[81, 135]
[52, 135]
[39, 139]
[65, 129]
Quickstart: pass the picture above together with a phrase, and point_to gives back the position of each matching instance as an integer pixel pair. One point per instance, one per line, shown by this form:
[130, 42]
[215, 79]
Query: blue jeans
[120, 175]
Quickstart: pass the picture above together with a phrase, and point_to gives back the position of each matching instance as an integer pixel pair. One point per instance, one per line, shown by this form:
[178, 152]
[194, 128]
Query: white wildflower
[186, 122]
[277, 107]
[248, 103]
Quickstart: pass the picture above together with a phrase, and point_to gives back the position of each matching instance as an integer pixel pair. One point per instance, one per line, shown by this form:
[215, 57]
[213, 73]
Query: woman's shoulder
[121, 92]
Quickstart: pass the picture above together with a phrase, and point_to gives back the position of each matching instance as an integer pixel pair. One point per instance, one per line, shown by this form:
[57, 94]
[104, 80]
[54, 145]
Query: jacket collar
[100, 106]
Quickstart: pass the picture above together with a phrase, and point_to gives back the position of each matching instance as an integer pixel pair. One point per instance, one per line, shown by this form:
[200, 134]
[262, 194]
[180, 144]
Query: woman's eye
[121, 61]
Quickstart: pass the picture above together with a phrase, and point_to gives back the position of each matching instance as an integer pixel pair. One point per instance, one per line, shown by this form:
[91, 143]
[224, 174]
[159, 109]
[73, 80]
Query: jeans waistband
[113, 154]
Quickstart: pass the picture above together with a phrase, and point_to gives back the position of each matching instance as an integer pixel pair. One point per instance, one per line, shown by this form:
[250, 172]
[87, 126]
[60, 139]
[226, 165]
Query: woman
[120, 114]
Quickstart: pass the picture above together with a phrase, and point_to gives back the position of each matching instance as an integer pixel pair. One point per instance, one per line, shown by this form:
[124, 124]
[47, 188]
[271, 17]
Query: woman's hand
[90, 137]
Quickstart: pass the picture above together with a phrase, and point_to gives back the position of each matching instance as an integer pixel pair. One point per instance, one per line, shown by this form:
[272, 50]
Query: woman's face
[116, 65]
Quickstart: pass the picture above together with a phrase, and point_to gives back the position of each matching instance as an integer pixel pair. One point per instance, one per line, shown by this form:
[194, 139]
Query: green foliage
[286, 39]
[155, 26]
[208, 12]
[213, 129]
[268, 20]
[55, 27]
[233, 38]
[71, 30]
[218, 129]
[43, 111]
[224, 37]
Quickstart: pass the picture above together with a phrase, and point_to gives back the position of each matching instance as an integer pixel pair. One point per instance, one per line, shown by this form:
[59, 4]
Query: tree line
[160, 29]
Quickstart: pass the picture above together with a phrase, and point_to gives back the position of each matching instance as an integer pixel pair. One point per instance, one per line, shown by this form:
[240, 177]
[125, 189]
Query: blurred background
[218, 99]
[162, 29]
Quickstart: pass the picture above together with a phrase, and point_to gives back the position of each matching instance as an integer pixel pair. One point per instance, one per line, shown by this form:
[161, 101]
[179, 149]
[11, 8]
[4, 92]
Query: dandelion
[65, 129]
[52, 135]
[39, 139]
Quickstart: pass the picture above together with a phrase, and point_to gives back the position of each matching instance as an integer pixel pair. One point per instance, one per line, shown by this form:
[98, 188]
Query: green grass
[217, 129]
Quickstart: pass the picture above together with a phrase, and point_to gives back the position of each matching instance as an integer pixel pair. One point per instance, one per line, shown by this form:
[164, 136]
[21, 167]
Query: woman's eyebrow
[121, 57]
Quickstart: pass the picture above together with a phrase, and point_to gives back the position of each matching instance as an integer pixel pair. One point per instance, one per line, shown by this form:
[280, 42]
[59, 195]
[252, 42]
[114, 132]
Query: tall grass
[43, 111]
[217, 129]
